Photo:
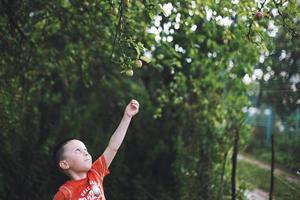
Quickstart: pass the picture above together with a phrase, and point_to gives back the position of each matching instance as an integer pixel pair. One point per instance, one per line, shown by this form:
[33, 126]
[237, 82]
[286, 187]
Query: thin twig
[118, 28]
[284, 23]
[252, 21]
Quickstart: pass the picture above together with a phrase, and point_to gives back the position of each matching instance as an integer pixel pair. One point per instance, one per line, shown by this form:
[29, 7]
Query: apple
[129, 72]
[145, 59]
[125, 2]
[86, 3]
[259, 15]
[138, 63]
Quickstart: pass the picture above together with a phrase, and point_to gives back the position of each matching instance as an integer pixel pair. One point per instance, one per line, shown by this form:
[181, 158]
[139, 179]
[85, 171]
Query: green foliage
[60, 76]
[283, 68]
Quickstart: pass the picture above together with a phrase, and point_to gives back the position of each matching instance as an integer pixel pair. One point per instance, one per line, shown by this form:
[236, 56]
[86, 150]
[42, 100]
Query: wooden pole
[272, 167]
[234, 163]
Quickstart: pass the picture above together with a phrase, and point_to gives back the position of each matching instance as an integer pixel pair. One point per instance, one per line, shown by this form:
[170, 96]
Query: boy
[73, 159]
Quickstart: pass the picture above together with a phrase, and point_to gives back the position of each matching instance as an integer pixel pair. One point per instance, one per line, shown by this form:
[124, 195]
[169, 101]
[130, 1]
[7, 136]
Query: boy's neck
[77, 176]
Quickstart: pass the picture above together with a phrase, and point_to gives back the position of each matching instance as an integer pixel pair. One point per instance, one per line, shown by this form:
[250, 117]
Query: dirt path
[258, 194]
[277, 172]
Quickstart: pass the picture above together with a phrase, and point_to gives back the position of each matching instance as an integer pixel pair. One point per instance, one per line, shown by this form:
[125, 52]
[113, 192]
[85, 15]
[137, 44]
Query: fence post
[297, 119]
[269, 125]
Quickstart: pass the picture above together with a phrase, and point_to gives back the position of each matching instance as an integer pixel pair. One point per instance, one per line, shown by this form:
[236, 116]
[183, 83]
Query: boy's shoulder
[67, 189]
[64, 192]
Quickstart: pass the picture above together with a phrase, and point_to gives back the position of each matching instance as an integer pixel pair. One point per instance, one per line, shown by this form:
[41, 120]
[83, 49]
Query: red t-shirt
[82, 189]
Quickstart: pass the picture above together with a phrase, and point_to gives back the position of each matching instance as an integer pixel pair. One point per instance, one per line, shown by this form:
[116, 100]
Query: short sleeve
[59, 196]
[100, 166]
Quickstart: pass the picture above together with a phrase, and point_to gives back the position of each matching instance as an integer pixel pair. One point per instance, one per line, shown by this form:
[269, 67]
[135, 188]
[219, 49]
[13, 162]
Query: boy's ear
[63, 164]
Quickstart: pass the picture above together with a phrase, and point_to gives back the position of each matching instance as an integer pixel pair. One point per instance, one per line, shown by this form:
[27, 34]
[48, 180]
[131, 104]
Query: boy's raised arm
[117, 138]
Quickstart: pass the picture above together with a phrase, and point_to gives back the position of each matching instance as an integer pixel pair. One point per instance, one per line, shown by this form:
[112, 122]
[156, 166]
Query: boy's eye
[77, 150]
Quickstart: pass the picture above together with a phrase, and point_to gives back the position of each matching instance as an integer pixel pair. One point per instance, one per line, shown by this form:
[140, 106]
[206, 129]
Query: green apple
[129, 72]
[145, 59]
[138, 63]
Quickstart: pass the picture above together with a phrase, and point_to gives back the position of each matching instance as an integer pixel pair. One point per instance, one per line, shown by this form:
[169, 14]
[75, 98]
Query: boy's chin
[85, 168]
[89, 167]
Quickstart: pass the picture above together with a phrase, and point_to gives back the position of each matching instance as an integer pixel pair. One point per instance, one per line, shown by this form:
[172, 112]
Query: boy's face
[76, 157]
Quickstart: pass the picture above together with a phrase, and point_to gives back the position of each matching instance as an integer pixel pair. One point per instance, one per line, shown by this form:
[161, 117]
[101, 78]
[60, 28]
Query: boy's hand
[132, 108]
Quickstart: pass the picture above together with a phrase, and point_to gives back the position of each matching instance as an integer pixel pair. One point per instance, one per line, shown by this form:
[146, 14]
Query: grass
[260, 178]
[283, 160]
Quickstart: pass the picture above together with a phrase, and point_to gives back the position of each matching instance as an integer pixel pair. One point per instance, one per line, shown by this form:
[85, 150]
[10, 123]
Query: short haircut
[59, 151]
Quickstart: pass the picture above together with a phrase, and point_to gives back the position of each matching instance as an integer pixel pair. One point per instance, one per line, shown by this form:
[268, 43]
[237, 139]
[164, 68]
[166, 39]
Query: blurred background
[218, 83]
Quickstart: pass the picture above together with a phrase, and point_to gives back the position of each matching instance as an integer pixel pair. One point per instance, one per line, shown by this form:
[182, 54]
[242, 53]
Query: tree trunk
[222, 175]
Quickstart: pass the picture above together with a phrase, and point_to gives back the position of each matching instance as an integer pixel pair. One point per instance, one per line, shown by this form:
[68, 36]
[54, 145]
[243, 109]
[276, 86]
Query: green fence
[269, 122]
[286, 132]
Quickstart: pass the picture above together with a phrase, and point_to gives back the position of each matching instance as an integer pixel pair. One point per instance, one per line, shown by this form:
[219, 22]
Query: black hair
[59, 151]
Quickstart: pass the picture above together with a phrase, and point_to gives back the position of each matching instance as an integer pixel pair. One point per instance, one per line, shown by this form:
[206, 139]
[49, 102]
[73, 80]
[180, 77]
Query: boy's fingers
[135, 106]
[134, 102]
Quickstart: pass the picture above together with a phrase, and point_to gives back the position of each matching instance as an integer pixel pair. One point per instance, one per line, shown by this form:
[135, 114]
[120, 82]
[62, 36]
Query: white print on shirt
[95, 187]
[91, 196]
[88, 194]
[83, 193]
